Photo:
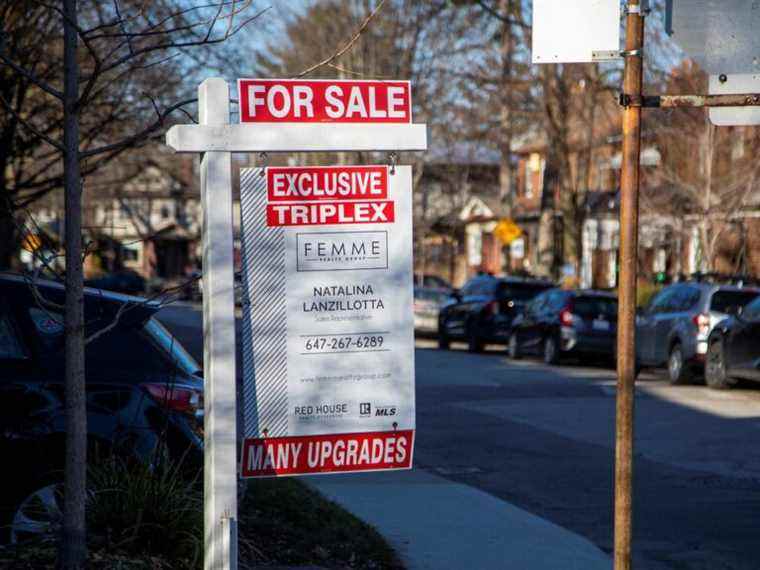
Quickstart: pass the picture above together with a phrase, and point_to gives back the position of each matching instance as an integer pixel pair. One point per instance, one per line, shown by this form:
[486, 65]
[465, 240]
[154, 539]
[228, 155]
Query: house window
[165, 212]
[130, 253]
[533, 175]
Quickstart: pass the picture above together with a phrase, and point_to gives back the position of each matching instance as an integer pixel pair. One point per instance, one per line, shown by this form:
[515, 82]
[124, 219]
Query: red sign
[334, 453]
[324, 101]
[330, 213]
[327, 183]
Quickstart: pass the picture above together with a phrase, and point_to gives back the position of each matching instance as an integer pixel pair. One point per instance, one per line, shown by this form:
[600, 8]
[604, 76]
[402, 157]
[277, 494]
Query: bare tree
[105, 46]
[710, 174]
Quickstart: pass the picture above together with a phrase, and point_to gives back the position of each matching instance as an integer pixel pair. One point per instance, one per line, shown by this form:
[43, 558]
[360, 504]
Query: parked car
[144, 395]
[674, 328]
[733, 348]
[482, 311]
[427, 306]
[125, 281]
[560, 323]
[432, 282]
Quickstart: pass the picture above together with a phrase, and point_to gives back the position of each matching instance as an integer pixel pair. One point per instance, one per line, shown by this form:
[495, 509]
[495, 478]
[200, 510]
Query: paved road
[541, 438]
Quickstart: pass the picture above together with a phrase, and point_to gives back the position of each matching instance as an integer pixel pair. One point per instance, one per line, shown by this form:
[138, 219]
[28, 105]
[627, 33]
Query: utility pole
[629, 221]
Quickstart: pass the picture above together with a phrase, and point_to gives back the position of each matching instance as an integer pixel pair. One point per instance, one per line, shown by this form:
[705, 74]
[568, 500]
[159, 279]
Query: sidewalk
[437, 524]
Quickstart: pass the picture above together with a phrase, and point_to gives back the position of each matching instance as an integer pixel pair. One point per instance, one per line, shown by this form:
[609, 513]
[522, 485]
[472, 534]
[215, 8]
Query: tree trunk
[505, 115]
[73, 545]
[8, 237]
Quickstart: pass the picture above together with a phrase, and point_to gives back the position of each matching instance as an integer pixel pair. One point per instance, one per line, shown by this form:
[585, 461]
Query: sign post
[299, 116]
[220, 429]
[629, 233]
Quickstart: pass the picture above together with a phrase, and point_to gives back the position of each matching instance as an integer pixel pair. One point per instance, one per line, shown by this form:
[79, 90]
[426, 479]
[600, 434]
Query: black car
[124, 281]
[482, 311]
[561, 323]
[144, 395]
[733, 349]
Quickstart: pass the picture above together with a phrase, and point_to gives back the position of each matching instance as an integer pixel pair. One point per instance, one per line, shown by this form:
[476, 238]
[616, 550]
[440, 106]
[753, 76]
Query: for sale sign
[328, 341]
[318, 101]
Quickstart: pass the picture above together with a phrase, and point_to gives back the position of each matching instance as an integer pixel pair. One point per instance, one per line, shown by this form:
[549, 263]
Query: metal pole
[220, 394]
[629, 220]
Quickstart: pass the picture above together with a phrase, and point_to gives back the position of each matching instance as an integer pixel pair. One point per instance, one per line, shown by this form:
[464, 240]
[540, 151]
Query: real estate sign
[328, 340]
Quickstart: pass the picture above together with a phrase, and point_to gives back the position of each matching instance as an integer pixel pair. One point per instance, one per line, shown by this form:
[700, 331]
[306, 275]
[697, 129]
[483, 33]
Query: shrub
[143, 511]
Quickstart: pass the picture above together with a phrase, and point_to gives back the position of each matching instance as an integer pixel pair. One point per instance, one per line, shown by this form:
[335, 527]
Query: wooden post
[629, 219]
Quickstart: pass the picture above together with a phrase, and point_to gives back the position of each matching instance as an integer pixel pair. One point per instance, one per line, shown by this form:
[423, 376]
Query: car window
[537, 303]
[10, 342]
[434, 281]
[430, 295]
[469, 287]
[721, 301]
[519, 291]
[592, 306]
[675, 301]
[557, 300]
[661, 301]
[752, 311]
[684, 298]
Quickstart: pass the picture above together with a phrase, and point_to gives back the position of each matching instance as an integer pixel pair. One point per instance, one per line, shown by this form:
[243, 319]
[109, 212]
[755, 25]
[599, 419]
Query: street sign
[324, 101]
[328, 335]
[577, 31]
[732, 85]
[507, 231]
[720, 35]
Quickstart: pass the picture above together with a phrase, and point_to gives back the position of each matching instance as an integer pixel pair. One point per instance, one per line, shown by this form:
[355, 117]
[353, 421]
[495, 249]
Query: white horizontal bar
[306, 137]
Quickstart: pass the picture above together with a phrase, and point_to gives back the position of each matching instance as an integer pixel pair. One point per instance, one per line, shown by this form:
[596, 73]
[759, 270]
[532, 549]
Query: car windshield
[520, 291]
[595, 307]
[723, 300]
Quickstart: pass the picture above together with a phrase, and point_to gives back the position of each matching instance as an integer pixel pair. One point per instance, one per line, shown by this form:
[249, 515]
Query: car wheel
[678, 371]
[715, 367]
[513, 347]
[38, 514]
[551, 350]
[474, 343]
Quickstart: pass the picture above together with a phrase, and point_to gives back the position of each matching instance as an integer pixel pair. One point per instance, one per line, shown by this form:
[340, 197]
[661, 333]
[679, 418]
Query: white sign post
[303, 116]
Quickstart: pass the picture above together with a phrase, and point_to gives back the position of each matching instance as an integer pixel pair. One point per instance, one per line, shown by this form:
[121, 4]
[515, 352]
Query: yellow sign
[506, 231]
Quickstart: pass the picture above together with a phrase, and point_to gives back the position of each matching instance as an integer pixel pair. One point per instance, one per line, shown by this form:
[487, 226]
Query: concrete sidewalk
[434, 523]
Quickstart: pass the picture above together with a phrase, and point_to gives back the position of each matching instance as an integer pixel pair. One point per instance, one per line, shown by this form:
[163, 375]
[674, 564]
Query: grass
[290, 523]
[148, 521]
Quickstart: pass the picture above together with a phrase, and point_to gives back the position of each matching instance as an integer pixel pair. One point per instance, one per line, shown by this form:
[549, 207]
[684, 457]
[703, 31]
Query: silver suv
[672, 331]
